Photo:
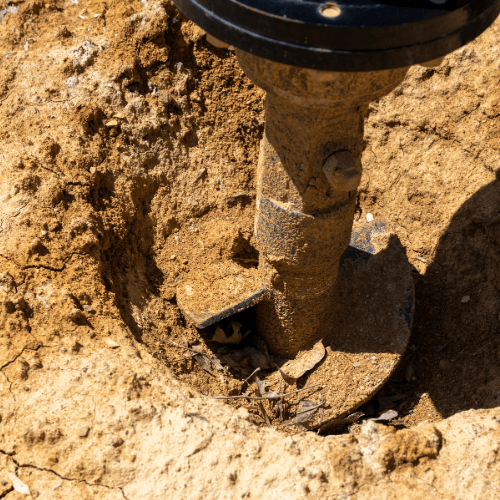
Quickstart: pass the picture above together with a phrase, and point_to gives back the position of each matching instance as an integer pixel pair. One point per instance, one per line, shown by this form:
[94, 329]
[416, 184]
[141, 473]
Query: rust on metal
[307, 176]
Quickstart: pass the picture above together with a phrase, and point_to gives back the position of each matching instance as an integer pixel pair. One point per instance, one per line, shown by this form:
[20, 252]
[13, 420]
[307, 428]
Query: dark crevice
[62, 477]
[6, 492]
[22, 351]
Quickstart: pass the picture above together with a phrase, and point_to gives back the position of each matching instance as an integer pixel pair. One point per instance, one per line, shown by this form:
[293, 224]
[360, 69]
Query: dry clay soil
[127, 163]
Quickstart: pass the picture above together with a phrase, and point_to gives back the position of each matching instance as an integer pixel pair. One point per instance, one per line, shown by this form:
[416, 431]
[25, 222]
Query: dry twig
[274, 396]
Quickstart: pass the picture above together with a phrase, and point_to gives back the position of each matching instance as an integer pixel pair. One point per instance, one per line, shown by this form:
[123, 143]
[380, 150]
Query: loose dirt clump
[129, 147]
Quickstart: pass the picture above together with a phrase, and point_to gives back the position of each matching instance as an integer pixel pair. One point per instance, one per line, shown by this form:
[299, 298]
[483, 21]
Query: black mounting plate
[365, 36]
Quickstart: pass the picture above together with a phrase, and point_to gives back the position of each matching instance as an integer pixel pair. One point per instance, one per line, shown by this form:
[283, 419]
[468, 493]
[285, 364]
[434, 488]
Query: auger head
[321, 64]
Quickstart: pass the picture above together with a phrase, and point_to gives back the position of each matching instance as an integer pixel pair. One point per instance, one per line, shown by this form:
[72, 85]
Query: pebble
[18, 485]
[465, 299]
[84, 432]
[173, 257]
[112, 343]
[63, 350]
[369, 217]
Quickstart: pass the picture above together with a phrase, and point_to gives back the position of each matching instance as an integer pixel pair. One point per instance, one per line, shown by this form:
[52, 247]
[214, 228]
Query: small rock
[63, 350]
[71, 81]
[35, 246]
[62, 32]
[89, 309]
[112, 343]
[84, 55]
[369, 217]
[75, 314]
[18, 485]
[84, 432]
[465, 299]
[117, 442]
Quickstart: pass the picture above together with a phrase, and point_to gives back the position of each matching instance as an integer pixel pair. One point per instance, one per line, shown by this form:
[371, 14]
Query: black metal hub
[360, 35]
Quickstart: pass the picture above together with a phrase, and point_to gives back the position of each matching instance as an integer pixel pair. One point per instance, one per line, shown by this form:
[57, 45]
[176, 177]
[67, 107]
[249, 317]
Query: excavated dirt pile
[127, 165]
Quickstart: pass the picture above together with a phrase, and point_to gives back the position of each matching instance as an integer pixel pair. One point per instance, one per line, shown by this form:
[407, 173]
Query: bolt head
[342, 171]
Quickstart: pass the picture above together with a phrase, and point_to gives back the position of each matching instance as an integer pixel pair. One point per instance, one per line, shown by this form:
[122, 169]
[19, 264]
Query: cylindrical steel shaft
[307, 177]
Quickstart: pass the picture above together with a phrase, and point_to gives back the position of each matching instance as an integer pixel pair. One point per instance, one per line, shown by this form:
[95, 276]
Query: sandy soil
[128, 155]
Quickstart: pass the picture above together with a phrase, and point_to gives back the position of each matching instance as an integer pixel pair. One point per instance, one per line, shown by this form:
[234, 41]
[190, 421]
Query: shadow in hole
[131, 271]
[455, 342]
[135, 277]
[373, 312]
[456, 339]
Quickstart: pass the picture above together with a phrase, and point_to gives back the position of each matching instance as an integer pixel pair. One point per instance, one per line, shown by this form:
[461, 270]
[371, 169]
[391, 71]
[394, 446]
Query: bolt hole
[330, 9]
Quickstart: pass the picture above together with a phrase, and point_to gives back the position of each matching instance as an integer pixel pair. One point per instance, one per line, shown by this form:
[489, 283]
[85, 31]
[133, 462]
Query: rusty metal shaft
[308, 173]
